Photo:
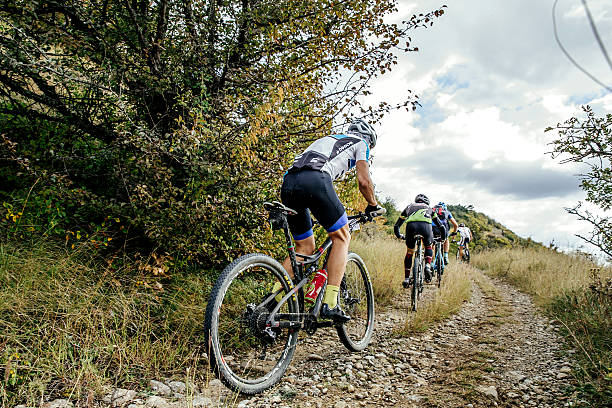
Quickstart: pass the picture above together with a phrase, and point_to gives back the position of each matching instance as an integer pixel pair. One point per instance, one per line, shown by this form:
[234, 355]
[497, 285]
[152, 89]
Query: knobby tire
[416, 272]
[237, 378]
[356, 297]
[439, 264]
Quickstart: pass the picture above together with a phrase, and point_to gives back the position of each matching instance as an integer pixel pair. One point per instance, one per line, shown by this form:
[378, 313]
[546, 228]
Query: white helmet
[364, 129]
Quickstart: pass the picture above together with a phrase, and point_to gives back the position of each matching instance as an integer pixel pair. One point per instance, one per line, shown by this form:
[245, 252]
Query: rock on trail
[496, 351]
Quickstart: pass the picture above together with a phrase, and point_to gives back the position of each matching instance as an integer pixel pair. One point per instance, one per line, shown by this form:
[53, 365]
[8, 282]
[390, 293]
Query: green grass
[71, 325]
[586, 321]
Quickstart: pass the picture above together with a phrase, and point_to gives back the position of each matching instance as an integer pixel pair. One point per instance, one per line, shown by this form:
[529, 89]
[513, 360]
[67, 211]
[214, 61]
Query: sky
[490, 78]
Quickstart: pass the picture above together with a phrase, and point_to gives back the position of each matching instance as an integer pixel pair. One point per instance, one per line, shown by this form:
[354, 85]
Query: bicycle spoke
[248, 354]
[354, 301]
[240, 331]
[356, 298]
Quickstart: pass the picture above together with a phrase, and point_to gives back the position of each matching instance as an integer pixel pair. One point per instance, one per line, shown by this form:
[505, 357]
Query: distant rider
[418, 217]
[445, 216]
[307, 187]
[466, 237]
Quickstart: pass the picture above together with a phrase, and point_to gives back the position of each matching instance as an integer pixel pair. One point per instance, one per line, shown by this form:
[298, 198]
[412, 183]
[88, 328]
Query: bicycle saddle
[276, 206]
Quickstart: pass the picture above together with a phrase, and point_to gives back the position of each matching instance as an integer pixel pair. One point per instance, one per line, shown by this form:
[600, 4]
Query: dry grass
[543, 273]
[456, 289]
[578, 294]
[69, 327]
[384, 257]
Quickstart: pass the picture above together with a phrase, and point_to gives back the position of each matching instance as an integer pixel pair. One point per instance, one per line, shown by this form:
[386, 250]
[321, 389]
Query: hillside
[487, 232]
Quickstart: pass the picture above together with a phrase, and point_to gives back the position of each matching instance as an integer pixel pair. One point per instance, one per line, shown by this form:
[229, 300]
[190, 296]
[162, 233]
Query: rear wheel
[439, 265]
[356, 298]
[417, 272]
[244, 353]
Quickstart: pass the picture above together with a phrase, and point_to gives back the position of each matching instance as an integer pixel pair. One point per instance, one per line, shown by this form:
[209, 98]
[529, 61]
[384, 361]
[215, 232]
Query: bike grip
[378, 213]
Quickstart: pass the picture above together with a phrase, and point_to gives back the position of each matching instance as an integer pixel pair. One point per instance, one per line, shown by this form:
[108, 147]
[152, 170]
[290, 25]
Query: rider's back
[464, 232]
[417, 212]
[334, 155]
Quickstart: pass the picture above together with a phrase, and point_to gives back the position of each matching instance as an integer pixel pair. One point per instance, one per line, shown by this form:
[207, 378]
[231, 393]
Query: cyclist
[445, 216]
[466, 237]
[419, 218]
[307, 187]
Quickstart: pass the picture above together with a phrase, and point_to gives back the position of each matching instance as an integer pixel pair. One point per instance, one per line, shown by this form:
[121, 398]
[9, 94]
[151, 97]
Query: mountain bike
[252, 337]
[418, 267]
[438, 261]
[466, 253]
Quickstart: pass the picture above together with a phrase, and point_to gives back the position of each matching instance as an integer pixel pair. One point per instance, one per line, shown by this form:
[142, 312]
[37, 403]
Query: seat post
[291, 248]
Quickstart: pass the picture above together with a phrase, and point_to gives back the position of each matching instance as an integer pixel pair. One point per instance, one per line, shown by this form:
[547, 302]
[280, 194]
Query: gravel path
[496, 351]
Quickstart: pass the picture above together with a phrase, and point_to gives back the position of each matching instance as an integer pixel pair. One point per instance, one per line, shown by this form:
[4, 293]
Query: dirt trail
[497, 351]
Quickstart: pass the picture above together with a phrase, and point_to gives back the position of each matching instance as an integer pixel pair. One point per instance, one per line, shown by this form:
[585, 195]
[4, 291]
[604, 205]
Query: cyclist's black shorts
[312, 190]
[437, 232]
[464, 241]
[418, 228]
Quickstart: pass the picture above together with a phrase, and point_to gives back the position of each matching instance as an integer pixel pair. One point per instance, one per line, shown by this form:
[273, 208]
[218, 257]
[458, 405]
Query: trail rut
[497, 351]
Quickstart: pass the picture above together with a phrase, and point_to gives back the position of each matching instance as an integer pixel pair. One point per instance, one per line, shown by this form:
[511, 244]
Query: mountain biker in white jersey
[466, 237]
[307, 187]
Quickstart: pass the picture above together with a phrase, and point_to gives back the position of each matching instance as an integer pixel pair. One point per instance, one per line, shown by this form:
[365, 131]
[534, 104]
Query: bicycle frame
[302, 272]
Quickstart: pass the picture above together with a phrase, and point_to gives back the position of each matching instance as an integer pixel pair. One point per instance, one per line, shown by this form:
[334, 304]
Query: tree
[177, 117]
[588, 141]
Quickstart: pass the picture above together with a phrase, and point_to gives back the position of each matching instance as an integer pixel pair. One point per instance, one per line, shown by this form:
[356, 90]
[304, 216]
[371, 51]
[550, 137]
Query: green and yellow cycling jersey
[419, 215]
[418, 212]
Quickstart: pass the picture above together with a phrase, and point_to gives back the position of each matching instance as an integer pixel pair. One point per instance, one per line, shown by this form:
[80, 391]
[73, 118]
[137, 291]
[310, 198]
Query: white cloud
[491, 78]
[555, 104]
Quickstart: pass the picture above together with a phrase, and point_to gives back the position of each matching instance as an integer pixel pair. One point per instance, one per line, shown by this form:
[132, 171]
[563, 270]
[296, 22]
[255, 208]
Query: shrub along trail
[497, 351]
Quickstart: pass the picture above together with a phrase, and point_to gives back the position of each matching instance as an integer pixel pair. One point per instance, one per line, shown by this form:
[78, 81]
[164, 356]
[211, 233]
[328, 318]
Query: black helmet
[462, 225]
[421, 198]
[364, 129]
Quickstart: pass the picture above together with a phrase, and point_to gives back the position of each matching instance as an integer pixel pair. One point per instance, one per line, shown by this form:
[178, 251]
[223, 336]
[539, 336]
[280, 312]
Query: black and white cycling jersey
[464, 232]
[334, 155]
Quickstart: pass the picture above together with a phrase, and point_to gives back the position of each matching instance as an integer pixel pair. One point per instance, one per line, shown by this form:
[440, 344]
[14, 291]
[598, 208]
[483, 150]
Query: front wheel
[244, 353]
[356, 298]
[439, 267]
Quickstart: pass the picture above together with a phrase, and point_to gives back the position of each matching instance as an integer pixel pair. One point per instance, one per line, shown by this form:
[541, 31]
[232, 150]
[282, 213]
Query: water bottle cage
[277, 220]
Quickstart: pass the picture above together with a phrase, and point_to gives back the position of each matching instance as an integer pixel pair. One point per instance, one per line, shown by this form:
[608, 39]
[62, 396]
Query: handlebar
[364, 217]
[361, 217]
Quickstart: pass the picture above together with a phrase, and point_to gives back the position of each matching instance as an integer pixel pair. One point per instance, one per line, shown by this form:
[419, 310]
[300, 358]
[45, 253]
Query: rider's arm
[455, 225]
[398, 224]
[366, 187]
